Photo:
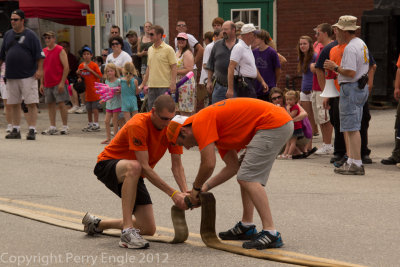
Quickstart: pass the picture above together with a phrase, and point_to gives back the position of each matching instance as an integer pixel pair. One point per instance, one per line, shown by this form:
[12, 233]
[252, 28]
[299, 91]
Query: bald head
[229, 30]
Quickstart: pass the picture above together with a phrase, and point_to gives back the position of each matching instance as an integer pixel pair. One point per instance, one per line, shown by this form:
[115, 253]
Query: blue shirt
[21, 52]
[114, 102]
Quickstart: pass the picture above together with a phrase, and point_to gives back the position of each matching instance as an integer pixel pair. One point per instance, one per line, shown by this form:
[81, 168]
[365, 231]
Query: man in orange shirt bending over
[130, 157]
[231, 125]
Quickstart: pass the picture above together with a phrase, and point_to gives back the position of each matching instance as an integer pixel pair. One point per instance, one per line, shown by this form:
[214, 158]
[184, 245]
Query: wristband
[176, 191]
[196, 189]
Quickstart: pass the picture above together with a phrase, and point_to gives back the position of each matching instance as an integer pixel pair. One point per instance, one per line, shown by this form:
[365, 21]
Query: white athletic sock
[247, 224]
[358, 162]
[52, 127]
[272, 232]
[349, 161]
[32, 127]
[96, 124]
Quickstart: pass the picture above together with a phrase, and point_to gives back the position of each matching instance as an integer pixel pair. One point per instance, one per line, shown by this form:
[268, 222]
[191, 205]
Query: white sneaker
[73, 109]
[94, 129]
[132, 239]
[81, 110]
[9, 128]
[325, 150]
[64, 130]
[50, 131]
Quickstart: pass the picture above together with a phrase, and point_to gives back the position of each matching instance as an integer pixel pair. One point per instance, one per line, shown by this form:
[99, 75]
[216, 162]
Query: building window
[247, 16]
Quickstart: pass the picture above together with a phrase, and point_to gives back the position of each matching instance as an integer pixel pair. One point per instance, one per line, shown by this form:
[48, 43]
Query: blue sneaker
[239, 232]
[264, 240]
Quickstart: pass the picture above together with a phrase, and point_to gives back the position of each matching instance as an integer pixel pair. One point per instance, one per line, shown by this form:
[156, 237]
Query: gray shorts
[153, 94]
[90, 105]
[52, 95]
[261, 153]
[351, 103]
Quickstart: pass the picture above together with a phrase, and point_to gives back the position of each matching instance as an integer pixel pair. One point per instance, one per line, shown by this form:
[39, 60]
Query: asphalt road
[353, 219]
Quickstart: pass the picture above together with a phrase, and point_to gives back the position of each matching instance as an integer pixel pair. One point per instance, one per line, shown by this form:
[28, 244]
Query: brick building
[296, 18]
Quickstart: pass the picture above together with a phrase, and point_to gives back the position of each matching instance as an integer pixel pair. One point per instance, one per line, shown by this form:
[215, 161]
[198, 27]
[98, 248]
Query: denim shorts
[351, 102]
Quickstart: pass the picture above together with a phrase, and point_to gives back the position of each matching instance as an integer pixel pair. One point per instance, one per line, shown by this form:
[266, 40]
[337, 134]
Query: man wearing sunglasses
[22, 52]
[126, 161]
[115, 31]
[161, 67]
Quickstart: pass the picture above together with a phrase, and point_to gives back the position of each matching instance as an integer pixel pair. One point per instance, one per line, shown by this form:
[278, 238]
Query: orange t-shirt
[398, 62]
[232, 123]
[139, 134]
[90, 79]
[336, 55]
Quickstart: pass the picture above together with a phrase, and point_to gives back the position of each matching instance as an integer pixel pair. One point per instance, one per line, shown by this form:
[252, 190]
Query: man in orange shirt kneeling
[231, 125]
[126, 161]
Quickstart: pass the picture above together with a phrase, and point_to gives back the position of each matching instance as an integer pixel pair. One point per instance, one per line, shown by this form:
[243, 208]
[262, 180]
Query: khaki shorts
[261, 153]
[26, 88]
[3, 91]
[321, 115]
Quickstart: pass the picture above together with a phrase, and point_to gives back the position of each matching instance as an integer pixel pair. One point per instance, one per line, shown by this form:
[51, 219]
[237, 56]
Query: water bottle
[141, 96]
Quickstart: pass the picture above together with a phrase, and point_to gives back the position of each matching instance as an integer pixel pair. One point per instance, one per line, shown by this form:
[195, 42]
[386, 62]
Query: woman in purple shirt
[305, 52]
[267, 62]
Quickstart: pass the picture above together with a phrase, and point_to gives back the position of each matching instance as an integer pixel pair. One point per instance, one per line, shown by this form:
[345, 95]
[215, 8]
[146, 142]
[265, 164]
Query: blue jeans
[351, 102]
[219, 93]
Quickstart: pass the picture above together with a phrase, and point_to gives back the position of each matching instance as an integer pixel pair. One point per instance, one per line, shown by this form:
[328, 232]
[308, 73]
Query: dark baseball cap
[19, 12]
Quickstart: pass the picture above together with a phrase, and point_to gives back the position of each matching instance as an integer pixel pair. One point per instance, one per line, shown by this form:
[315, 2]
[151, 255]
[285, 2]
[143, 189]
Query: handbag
[307, 129]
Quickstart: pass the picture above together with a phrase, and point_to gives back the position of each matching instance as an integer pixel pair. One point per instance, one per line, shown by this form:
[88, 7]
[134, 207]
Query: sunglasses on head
[276, 98]
[114, 43]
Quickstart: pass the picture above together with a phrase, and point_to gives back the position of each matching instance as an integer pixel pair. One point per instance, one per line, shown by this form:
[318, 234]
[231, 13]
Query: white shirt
[243, 55]
[206, 56]
[120, 60]
[356, 58]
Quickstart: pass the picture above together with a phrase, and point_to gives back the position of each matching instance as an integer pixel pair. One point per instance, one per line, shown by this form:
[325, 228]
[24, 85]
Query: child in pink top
[292, 98]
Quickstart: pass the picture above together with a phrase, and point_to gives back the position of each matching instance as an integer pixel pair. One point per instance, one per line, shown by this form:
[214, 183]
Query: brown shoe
[351, 169]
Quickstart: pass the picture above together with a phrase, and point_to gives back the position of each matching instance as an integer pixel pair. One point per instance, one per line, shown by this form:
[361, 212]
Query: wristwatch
[336, 68]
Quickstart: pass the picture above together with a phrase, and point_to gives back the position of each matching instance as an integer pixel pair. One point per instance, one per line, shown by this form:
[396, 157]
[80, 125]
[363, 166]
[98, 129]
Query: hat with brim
[182, 35]
[174, 128]
[247, 28]
[131, 33]
[87, 48]
[49, 33]
[347, 23]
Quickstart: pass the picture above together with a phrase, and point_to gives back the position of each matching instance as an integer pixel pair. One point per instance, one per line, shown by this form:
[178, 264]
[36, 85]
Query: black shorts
[105, 172]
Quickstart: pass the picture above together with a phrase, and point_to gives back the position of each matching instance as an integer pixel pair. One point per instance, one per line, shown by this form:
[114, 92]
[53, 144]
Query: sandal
[105, 142]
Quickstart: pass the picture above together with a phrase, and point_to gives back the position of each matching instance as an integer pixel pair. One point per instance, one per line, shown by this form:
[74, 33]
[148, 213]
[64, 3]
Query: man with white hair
[353, 79]
[242, 60]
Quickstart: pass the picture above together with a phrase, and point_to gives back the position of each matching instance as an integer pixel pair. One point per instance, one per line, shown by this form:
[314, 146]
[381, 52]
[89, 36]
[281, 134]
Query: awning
[67, 12]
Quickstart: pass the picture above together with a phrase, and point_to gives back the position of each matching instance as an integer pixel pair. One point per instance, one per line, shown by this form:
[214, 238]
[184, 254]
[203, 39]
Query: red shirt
[52, 66]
